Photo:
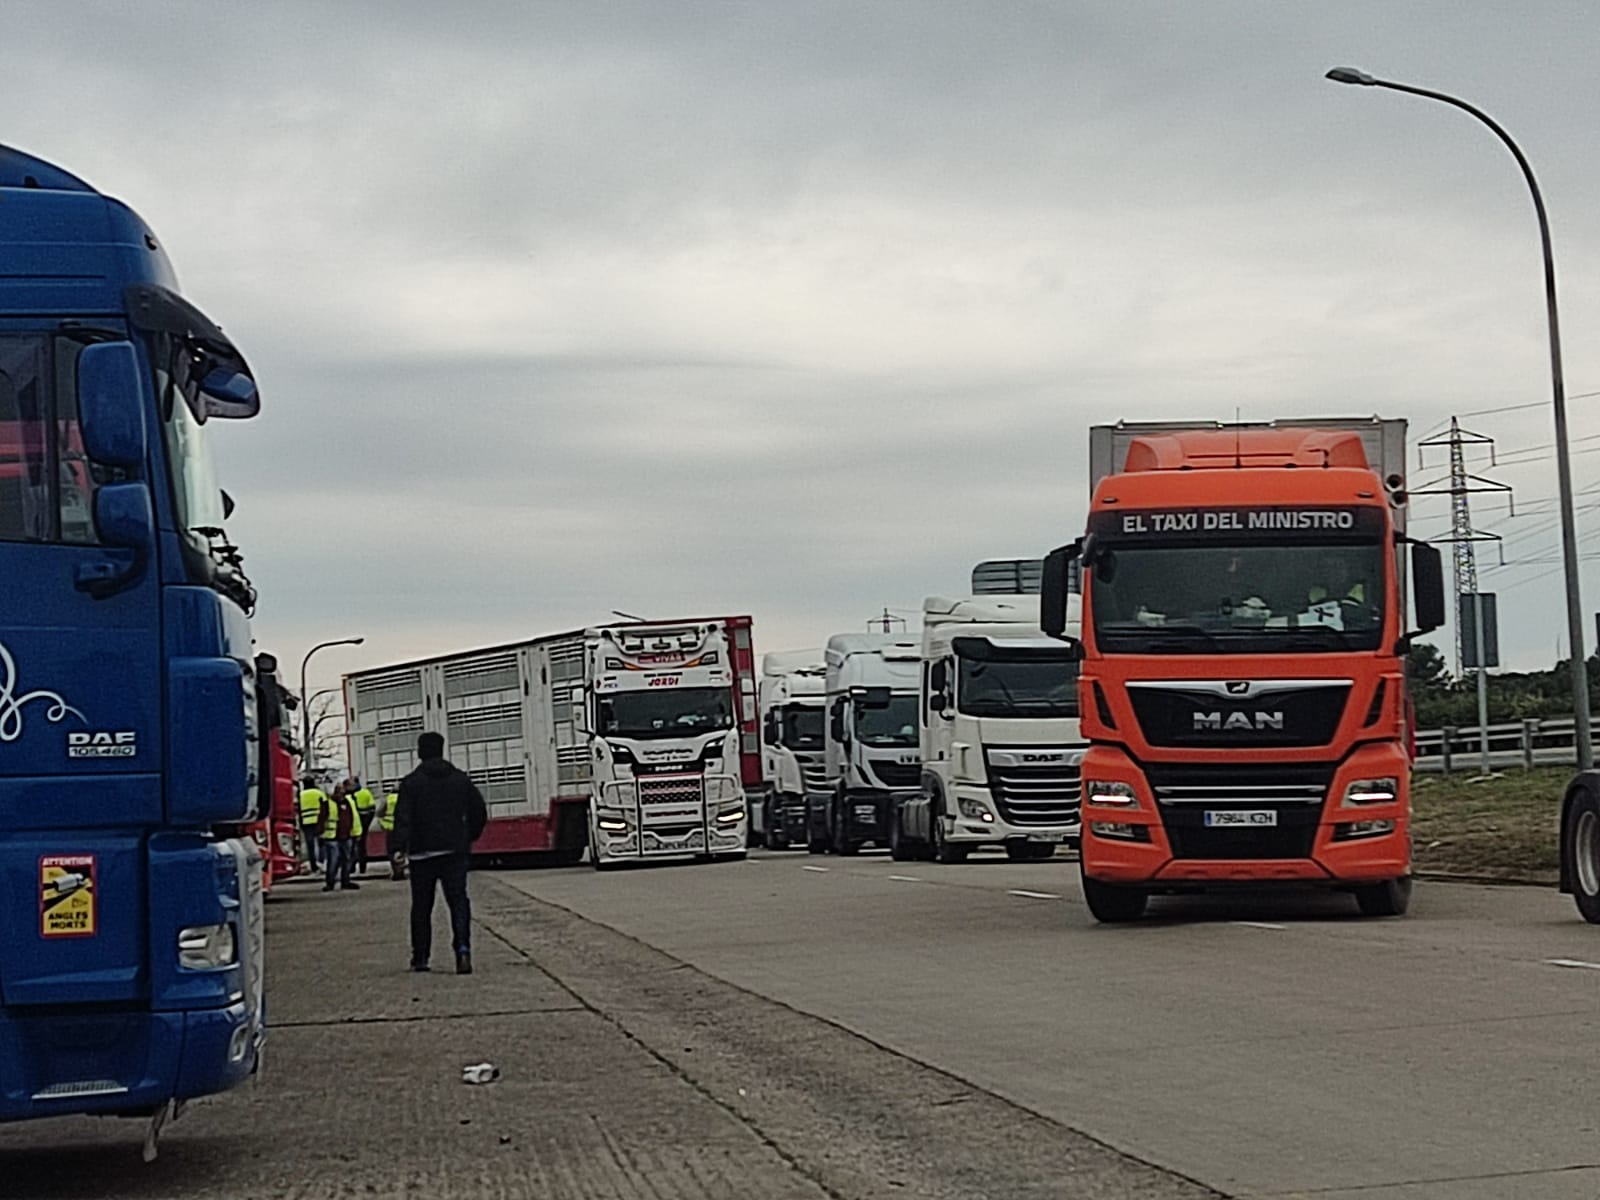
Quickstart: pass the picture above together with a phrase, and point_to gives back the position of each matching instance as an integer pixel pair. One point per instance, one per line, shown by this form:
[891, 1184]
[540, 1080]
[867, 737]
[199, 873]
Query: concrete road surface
[625, 1075]
[1266, 1047]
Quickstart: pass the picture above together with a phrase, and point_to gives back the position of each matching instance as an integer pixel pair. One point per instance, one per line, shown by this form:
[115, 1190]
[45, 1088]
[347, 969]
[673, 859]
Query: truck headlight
[730, 817]
[207, 947]
[1371, 791]
[1354, 830]
[975, 810]
[1112, 792]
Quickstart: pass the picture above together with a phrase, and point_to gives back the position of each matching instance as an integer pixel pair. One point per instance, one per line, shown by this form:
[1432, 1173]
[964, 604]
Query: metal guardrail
[1526, 744]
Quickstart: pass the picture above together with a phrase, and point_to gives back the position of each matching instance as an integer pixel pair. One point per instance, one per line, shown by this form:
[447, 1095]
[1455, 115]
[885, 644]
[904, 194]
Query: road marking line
[1023, 892]
[1260, 925]
[906, 878]
[822, 869]
[1576, 963]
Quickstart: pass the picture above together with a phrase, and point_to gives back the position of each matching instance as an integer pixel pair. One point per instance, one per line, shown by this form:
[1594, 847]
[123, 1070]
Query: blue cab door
[80, 691]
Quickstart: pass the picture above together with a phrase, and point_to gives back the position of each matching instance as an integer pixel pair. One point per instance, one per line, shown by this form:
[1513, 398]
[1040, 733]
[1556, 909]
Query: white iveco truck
[792, 703]
[871, 740]
[999, 734]
[635, 741]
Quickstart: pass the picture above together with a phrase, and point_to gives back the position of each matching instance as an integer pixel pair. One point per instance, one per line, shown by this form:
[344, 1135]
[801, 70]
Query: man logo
[1238, 687]
[1237, 722]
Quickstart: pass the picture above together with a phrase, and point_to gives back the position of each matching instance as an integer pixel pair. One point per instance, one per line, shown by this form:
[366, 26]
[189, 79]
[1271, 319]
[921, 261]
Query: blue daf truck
[130, 933]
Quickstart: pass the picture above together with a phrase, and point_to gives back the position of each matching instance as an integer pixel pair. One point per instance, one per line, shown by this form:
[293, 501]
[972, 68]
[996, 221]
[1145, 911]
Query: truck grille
[1293, 791]
[1173, 715]
[898, 775]
[815, 776]
[1042, 795]
[670, 789]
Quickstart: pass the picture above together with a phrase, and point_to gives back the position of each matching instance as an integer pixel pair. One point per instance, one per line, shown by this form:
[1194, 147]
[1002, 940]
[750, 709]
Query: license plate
[1254, 818]
[1050, 839]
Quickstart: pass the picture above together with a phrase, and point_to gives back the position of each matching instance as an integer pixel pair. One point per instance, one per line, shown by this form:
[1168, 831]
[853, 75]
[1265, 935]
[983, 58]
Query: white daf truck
[792, 700]
[871, 755]
[1000, 746]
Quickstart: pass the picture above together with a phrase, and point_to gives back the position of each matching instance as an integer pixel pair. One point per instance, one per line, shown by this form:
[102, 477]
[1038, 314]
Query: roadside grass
[1503, 827]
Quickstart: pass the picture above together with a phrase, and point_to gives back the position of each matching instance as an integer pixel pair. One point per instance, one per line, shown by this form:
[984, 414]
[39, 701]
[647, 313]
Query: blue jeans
[340, 856]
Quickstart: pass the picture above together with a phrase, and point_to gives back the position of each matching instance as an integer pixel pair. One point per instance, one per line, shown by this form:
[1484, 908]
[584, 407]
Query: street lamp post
[1569, 531]
[305, 706]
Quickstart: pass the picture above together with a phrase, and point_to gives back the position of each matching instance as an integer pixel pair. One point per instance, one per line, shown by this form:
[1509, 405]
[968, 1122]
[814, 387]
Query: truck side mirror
[1053, 589]
[125, 522]
[769, 729]
[836, 728]
[111, 405]
[1427, 583]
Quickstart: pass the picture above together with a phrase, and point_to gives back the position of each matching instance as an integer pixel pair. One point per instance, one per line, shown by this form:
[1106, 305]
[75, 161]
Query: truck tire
[1582, 851]
[900, 850]
[943, 851]
[1113, 904]
[772, 835]
[1390, 898]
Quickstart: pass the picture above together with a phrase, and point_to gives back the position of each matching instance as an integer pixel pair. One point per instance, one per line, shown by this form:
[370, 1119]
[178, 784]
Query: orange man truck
[1243, 649]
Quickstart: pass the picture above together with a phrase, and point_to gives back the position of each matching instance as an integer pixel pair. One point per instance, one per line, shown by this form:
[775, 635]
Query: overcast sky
[801, 309]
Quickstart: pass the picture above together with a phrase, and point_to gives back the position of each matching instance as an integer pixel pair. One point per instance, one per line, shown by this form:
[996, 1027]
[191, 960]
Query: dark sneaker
[349, 887]
[421, 967]
[463, 962]
[328, 888]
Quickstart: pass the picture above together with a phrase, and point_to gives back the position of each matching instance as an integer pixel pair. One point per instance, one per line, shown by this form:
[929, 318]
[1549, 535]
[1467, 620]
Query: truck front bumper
[992, 828]
[1134, 844]
[131, 1062]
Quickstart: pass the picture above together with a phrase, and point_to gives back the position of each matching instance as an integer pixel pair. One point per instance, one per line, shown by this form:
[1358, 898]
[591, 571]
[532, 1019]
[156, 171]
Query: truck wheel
[1390, 898]
[943, 851]
[1019, 851]
[1111, 904]
[1583, 854]
[900, 850]
[1041, 851]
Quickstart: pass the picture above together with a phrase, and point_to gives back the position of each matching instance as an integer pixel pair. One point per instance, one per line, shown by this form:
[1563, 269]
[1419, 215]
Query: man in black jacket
[438, 816]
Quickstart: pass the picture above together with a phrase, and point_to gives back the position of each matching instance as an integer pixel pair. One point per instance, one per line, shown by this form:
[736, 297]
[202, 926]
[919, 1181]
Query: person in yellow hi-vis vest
[312, 799]
[367, 808]
[386, 811]
[341, 825]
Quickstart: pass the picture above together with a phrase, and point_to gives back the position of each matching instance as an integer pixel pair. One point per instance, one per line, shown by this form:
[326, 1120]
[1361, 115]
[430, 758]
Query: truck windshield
[666, 712]
[1018, 684]
[1242, 599]
[802, 726]
[895, 725]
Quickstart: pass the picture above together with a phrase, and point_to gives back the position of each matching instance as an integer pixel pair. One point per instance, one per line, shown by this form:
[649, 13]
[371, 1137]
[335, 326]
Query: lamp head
[1351, 75]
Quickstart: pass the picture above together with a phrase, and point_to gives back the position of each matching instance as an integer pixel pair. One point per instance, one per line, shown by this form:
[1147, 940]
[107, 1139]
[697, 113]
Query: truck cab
[793, 714]
[666, 744]
[1000, 742]
[1242, 686]
[871, 755]
[130, 932]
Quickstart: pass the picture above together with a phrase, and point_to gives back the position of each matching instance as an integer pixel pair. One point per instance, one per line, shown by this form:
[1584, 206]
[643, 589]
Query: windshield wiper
[1161, 632]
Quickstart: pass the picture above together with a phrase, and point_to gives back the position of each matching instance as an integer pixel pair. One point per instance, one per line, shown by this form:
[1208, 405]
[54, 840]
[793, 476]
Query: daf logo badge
[1238, 687]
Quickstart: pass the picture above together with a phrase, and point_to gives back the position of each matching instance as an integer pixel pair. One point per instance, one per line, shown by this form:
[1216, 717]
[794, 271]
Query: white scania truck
[792, 703]
[633, 741]
[999, 735]
[871, 754]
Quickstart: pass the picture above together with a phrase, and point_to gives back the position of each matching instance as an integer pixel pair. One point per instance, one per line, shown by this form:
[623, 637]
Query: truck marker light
[611, 825]
[728, 818]
[1362, 829]
[1371, 791]
[1112, 792]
